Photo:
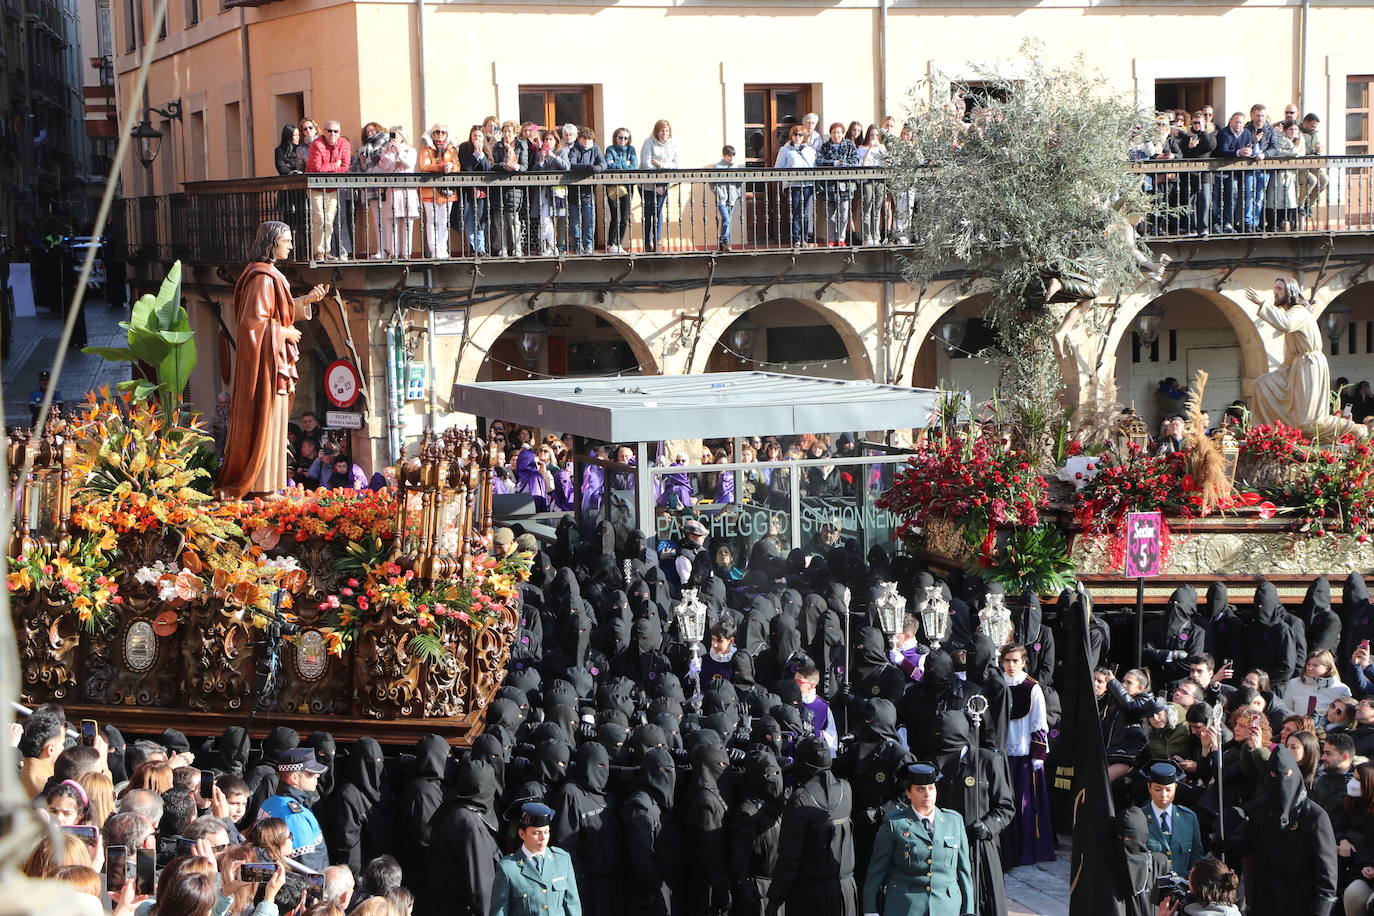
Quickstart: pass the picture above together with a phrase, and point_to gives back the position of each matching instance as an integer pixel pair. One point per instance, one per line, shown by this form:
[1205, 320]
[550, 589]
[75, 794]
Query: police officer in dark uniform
[920, 855]
[537, 879]
[298, 775]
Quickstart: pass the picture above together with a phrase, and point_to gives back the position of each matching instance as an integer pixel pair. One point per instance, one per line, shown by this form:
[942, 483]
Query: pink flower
[1267, 509]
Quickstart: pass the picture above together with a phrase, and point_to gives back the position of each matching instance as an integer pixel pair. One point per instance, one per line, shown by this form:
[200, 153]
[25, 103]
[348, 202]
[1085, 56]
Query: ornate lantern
[1131, 431]
[1148, 324]
[1229, 446]
[891, 608]
[691, 618]
[443, 504]
[994, 619]
[934, 613]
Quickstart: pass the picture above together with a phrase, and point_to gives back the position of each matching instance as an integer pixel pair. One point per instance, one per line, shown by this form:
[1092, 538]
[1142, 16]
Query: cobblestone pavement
[35, 346]
[1040, 890]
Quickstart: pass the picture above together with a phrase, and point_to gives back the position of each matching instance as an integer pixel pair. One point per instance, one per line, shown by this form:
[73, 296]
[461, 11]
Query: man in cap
[920, 855]
[298, 774]
[1174, 830]
[692, 543]
[503, 542]
[537, 879]
[527, 543]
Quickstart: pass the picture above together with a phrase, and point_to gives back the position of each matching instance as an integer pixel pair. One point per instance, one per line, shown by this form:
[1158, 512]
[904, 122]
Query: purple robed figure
[1030, 836]
[725, 489]
[677, 488]
[593, 487]
[530, 479]
[563, 487]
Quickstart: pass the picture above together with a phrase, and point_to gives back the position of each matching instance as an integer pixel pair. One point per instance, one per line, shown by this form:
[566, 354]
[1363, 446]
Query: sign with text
[1144, 544]
[339, 419]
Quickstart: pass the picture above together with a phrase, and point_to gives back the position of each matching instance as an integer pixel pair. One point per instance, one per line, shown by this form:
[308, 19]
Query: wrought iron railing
[469, 216]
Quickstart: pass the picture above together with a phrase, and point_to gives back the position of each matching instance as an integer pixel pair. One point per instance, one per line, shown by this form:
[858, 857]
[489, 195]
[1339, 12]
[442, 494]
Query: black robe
[1357, 616]
[585, 826]
[416, 803]
[358, 821]
[814, 874]
[871, 763]
[703, 822]
[755, 832]
[1293, 846]
[1225, 631]
[1269, 641]
[1173, 638]
[462, 845]
[989, 798]
[1322, 625]
[652, 834]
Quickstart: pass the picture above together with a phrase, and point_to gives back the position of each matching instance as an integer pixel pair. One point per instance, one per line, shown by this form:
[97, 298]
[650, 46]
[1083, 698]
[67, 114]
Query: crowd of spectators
[516, 220]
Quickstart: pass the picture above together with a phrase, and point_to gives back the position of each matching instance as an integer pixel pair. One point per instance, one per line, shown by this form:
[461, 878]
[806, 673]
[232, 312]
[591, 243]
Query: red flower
[1267, 509]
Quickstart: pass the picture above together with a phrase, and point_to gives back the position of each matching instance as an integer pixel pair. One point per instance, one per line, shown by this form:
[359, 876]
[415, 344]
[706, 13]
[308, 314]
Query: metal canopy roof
[710, 405]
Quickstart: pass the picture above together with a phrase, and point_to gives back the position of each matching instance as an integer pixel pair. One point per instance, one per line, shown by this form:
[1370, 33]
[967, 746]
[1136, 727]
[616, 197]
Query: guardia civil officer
[1174, 829]
[298, 775]
[537, 879]
[920, 855]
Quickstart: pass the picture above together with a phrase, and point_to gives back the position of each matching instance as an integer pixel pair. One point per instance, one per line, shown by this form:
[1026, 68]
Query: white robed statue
[1298, 393]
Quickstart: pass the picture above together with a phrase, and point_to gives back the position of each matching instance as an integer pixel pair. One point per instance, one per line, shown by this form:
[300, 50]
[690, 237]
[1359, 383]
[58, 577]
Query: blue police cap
[534, 814]
[301, 759]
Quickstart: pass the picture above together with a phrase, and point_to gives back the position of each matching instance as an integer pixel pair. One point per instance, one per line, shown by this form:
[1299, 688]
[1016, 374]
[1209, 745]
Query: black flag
[1093, 865]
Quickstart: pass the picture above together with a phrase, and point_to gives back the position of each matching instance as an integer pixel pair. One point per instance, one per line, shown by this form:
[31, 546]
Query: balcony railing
[471, 216]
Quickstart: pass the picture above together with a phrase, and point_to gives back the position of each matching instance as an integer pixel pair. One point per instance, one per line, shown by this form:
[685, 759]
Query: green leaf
[178, 337]
[169, 298]
[427, 646]
[144, 313]
[112, 354]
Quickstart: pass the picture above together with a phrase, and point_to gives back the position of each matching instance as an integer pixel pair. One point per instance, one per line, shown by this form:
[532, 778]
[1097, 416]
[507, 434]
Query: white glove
[694, 668]
[1037, 764]
[894, 656]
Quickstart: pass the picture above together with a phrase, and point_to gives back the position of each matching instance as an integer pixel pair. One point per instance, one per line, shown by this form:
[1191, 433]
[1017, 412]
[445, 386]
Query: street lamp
[531, 344]
[147, 138]
[1335, 319]
[950, 330]
[1148, 324]
[743, 334]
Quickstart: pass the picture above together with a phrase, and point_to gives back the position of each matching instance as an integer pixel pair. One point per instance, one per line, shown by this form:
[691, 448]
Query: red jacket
[325, 158]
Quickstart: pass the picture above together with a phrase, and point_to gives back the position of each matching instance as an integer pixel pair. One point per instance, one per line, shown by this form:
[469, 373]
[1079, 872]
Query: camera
[1171, 887]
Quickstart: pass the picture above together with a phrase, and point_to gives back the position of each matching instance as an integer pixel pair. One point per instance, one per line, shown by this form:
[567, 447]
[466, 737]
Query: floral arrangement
[1335, 494]
[1274, 442]
[1138, 483]
[83, 576]
[346, 515]
[976, 484]
[441, 607]
[251, 586]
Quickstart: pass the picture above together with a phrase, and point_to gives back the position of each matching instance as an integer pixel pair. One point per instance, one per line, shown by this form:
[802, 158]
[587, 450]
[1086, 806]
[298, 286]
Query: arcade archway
[958, 365]
[793, 336]
[566, 341]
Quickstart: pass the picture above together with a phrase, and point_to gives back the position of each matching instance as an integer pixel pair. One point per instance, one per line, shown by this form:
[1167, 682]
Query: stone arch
[1100, 366]
[917, 330]
[629, 322]
[1351, 354]
[830, 307]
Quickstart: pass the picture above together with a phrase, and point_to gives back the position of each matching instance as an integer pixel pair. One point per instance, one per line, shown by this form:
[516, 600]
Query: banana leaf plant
[161, 339]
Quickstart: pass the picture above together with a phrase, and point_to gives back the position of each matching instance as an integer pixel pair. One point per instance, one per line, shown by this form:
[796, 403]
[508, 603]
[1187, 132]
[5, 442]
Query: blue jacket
[521, 891]
[1229, 145]
[307, 840]
[621, 157]
[925, 874]
[1183, 846]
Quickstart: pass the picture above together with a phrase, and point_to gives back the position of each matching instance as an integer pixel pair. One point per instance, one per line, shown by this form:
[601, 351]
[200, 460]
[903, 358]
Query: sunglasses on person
[328, 131]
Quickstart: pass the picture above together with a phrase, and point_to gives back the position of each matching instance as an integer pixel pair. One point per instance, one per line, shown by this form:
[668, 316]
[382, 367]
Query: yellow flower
[20, 580]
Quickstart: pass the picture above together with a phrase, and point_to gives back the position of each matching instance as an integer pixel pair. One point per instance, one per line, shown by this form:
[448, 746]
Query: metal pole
[1139, 618]
[977, 706]
[644, 491]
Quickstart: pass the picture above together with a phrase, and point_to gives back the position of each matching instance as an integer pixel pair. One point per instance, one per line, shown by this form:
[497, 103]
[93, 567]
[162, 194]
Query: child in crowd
[728, 194]
[808, 678]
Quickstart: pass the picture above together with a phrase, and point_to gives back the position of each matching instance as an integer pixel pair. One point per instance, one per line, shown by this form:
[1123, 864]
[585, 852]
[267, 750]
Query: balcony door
[553, 106]
[1359, 141]
[769, 113]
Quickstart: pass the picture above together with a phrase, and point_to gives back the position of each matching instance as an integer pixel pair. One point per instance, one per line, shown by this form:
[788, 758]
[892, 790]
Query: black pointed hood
[475, 786]
[1354, 594]
[658, 776]
[326, 751]
[786, 638]
[1289, 790]
[1181, 610]
[1317, 601]
[709, 763]
[763, 775]
[648, 634]
[1028, 618]
[550, 761]
[814, 609]
[869, 654]
[1268, 609]
[278, 741]
[1218, 601]
[590, 769]
[939, 669]
[364, 768]
[489, 749]
[431, 758]
[231, 750]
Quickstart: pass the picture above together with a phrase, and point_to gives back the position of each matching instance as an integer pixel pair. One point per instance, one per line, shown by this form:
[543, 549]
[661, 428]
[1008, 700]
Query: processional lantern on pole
[994, 620]
[891, 608]
[934, 614]
[691, 619]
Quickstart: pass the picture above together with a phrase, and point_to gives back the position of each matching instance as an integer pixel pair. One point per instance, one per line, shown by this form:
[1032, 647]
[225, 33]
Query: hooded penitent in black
[1290, 837]
[982, 794]
[653, 835]
[416, 803]
[1322, 624]
[644, 662]
[462, 844]
[703, 822]
[755, 829]
[1138, 866]
[1357, 615]
[231, 750]
[1030, 631]
[1173, 638]
[1225, 631]
[586, 826]
[815, 869]
[1269, 641]
[262, 779]
[358, 822]
[870, 673]
[326, 752]
[870, 763]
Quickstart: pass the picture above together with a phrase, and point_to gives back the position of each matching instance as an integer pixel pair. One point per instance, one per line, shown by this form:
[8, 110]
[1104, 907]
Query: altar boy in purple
[1031, 837]
[725, 661]
[807, 679]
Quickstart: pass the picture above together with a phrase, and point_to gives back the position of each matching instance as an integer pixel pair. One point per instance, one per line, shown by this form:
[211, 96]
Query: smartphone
[1254, 721]
[147, 872]
[1364, 644]
[89, 833]
[185, 846]
[88, 732]
[207, 784]
[257, 872]
[115, 876]
[314, 885]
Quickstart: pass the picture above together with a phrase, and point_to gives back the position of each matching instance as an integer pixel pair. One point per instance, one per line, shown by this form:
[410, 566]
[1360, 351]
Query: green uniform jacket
[1183, 846]
[521, 891]
[925, 875]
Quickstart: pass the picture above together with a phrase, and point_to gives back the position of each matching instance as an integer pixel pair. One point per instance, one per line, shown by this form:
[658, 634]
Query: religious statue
[1298, 393]
[264, 374]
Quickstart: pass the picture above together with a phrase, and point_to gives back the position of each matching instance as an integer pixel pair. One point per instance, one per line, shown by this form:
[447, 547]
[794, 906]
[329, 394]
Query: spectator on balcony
[583, 159]
[533, 135]
[308, 133]
[728, 194]
[872, 194]
[436, 200]
[1199, 143]
[509, 155]
[1313, 181]
[550, 155]
[330, 153]
[814, 138]
[797, 153]
[620, 155]
[837, 152]
[659, 152]
[1234, 141]
[287, 157]
[491, 132]
[903, 199]
[367, 160]
[400, 206]
[472, 157]
[1281, 199]
[1264, 145]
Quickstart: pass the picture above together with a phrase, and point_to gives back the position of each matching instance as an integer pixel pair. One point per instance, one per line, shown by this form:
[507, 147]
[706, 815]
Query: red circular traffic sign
[342, 383]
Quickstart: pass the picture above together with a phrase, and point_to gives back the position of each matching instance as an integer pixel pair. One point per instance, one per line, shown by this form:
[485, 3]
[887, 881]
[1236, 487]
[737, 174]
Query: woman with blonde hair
[47, 857]
[436, 201]
[400, 207]
[659, 152]
[1313, 691]
[100, 793]
[153, 775]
